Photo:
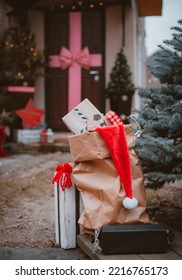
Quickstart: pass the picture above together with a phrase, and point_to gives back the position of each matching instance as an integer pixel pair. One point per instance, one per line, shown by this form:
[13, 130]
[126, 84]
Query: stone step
[60, 144]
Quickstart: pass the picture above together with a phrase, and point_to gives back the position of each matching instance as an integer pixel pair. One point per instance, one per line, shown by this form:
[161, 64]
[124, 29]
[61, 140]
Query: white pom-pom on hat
[130, 203]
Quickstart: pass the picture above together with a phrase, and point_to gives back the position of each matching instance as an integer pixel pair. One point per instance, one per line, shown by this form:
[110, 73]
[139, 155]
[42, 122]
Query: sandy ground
[27, 200]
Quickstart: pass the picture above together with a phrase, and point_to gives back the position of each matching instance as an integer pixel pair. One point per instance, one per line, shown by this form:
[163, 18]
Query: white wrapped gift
[84, 117]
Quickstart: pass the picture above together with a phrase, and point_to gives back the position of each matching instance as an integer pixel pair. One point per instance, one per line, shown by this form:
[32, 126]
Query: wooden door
[56, 86]
[93, 37]
[57, 36]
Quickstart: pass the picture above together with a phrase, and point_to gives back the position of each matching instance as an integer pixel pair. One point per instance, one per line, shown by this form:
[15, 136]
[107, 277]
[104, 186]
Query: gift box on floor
[27, 136]
[134, 239]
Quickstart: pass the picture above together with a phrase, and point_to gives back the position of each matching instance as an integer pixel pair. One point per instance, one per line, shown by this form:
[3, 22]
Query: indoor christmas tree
[159, 146]
[120, 88]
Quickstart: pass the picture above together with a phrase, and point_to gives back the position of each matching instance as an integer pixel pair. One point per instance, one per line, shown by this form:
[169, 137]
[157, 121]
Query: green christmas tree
[20, 62]
[120, 88]
[160, 147]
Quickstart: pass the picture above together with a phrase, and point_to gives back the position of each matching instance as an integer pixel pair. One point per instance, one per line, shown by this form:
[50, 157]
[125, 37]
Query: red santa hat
[116, 142]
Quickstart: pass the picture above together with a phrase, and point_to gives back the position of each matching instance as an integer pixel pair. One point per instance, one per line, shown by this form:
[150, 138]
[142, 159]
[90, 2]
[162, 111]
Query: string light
[167, 108]
[61, 5]
[78, 4]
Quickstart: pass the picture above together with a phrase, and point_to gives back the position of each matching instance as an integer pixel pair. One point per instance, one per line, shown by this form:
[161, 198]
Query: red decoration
[116, 142]
[43, 136]
[3, 153]
[63, 176]
[113, 118]
[30, 115]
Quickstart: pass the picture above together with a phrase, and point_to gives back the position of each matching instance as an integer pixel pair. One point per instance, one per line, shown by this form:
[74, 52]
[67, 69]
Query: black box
[133, 239]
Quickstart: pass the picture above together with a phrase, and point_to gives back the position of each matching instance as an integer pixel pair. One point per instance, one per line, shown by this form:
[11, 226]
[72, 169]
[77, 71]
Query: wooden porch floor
[174, 251]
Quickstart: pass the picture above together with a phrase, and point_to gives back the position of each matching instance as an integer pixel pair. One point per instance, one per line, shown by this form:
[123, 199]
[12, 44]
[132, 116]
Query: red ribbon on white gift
[63, 176]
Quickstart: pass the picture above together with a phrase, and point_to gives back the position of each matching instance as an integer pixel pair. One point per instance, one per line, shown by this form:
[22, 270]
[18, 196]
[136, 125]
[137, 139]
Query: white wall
[139, 55]
[113, 37]
[113, 41]
[134, 44]
[130, 40]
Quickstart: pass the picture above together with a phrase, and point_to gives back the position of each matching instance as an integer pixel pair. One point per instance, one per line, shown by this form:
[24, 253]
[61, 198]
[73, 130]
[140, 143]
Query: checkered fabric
[113, 118]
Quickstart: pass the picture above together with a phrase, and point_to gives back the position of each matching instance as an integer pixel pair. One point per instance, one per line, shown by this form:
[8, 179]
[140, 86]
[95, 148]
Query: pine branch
[157, 179]
[160, 145]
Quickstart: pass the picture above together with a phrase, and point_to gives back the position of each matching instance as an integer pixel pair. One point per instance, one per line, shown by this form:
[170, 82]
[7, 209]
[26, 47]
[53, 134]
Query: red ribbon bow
[67, 59]
[63, 176]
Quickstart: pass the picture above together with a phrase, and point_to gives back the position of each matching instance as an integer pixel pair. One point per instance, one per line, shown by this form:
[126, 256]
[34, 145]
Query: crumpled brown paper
[98, 182]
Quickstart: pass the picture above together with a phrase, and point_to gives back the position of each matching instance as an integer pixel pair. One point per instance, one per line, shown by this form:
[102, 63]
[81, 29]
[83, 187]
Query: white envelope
[84, 117]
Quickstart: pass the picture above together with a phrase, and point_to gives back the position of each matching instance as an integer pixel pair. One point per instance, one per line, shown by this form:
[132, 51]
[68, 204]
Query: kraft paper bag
[97, 180]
